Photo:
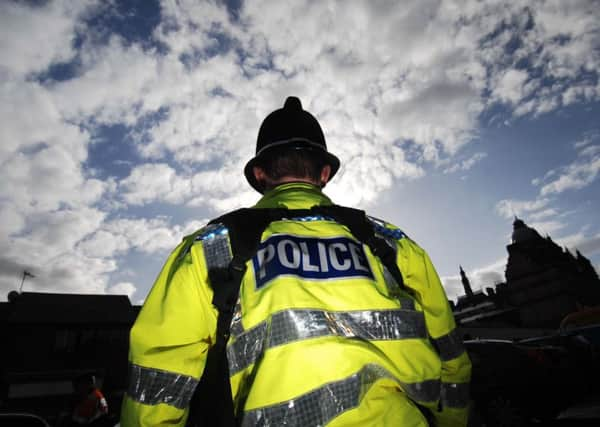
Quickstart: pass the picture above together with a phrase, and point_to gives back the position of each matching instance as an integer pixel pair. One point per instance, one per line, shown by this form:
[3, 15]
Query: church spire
[465, 282]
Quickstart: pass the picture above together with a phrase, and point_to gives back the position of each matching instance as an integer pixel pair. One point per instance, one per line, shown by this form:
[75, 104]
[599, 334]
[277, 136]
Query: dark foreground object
[549, 381]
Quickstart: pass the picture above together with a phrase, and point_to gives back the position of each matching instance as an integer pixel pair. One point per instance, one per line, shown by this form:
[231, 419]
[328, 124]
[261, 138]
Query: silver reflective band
[246, 348]
[455, 395]
[215, 242]
[154, 386]
[392, 286]
[425, 391]
[294, 325]
[449, 346]
[236, 321]
[318, 407]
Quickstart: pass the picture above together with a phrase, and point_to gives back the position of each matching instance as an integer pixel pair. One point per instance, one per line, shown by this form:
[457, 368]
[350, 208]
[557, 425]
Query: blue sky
[126, 124]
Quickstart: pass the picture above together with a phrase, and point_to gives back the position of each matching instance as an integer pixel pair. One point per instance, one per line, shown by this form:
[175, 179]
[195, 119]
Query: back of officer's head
[290, 144]
[298, 163]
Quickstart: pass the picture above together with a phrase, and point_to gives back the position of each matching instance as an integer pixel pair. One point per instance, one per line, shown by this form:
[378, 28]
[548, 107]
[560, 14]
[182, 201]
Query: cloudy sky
[125, 125]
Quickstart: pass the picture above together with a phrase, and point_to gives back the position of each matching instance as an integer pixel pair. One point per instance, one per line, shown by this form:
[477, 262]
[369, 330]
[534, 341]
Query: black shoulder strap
[361, 228]
[211, 404]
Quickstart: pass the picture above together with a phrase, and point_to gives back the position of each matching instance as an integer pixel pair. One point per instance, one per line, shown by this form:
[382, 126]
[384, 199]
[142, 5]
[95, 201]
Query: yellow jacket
[322, 335]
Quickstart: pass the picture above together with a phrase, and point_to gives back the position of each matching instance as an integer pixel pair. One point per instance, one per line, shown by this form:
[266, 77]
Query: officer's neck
[290, 179]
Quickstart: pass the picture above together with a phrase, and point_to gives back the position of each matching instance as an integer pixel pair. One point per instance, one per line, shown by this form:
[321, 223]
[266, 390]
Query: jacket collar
[293, 195]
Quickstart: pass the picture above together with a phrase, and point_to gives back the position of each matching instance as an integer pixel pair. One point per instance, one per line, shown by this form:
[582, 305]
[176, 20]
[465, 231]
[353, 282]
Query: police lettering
[309, 258]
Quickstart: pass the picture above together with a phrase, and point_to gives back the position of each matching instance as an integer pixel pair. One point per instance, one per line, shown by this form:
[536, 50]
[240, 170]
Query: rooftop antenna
[25, 275]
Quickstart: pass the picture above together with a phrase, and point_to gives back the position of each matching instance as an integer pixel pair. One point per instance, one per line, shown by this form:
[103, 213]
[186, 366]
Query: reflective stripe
[449, 346]
[154, 386]
[455, 395]
[392, 285]
[215, 242]
[320, 406]
[237, 328]
[217, 255]
[426, 391]
[246, 348]
[294, 325]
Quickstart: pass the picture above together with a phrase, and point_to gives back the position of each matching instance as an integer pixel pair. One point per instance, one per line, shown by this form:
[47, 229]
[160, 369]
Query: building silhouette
[544, 283]
[50, 339]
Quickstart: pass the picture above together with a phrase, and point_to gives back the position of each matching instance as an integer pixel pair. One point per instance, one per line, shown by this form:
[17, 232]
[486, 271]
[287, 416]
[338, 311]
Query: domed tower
[542, 279]
[529, 253]
[522, 234]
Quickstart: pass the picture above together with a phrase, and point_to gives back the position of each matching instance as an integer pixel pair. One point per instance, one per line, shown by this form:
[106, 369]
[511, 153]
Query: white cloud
[590, 151]
[508, 208]
[104, 244]
[154, 182]
[452, 286]
[48, 179]
[143, 235]
[480, 278]
[589, 246]
[122, 288]
[378, 169]
[575, 176]
[185, 25]
[547, 175]
[33, 38]
[77, 251]
[371, 86]
[509, 87]
[547, 227]
[554, 38]
[407, 102]
[587, 140]
[211, 189]
[47, 205]
[30, 117]
[74, 273]
[64, 228]
[579, 173]
[586, 244]
[543, 214]
[466, 164]
[115, 84]
[68, 271]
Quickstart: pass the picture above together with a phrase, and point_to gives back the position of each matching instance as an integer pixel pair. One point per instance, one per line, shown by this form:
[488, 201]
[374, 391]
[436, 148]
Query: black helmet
[289, 127]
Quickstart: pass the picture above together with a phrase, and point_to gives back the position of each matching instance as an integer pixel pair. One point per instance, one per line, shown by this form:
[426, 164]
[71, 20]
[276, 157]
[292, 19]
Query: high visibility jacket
[322, 335]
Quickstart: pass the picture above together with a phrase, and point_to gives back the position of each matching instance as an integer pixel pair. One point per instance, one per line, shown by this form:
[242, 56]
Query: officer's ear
[325, 175]
[259, 174]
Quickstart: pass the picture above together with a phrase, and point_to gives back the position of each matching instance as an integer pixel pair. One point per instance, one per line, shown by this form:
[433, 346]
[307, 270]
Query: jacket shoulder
[392, 233]
[386, 229]
[208, 232]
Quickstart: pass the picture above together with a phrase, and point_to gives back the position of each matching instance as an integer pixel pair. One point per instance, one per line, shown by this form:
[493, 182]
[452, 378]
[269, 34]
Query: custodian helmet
[289, 127]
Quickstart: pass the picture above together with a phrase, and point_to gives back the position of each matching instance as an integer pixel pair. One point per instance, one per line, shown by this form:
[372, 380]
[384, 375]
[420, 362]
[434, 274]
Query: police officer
[322, 334]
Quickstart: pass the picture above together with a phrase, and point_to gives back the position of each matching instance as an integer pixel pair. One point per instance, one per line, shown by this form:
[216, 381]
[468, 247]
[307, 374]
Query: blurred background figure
[90, 407]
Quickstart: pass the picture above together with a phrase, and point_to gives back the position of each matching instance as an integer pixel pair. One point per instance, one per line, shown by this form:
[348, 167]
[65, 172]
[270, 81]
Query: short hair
[296, 162]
